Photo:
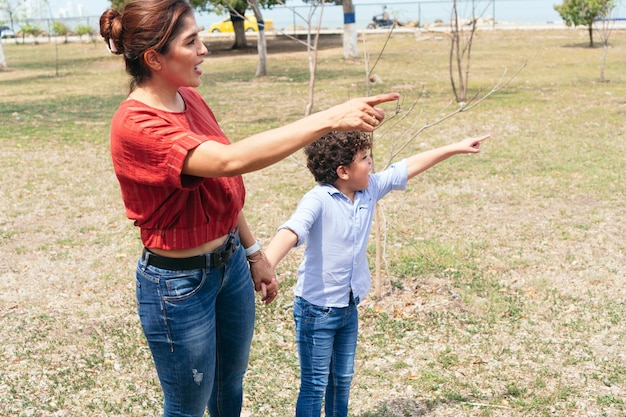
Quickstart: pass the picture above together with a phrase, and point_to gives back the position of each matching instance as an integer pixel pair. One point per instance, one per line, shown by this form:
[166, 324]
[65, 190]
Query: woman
[181, 184]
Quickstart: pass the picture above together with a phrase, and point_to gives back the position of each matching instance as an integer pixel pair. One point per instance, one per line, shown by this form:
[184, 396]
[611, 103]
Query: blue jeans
[326, 339]
[199, 327]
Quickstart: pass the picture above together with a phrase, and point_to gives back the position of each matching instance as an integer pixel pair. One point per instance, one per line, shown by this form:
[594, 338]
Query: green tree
[30, 29]
[585, 13]
[10, 8]
[85, 30]
[61, 29]
[236, 8]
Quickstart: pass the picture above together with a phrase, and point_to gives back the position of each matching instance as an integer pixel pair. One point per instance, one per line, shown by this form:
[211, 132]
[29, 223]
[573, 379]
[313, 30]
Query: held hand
[361, 113]
[263, 276]
[269, 292]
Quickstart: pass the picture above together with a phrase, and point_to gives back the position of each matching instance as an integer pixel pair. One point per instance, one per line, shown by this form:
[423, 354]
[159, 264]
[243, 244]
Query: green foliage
[218, 6]
[85, 30]
[30, 29]
[585, 13]
[118, 4]
[60, 29]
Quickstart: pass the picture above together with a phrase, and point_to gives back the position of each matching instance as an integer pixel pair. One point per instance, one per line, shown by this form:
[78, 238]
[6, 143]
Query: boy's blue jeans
[326, 339]
[199, 326]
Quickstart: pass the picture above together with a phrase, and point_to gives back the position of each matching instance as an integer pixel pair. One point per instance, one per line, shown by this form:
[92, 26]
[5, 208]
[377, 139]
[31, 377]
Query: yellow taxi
[249, 25]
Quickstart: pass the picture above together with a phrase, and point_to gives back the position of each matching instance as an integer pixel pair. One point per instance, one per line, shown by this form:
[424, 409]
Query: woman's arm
[212, 159]
[263, 274]
[245, 234]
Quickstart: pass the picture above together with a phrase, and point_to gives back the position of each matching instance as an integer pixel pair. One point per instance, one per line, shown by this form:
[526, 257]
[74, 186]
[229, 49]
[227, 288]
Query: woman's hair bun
[111, 30]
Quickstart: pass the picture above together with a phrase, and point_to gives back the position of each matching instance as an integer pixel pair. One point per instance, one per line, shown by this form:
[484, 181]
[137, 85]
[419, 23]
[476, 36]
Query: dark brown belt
[216, 259]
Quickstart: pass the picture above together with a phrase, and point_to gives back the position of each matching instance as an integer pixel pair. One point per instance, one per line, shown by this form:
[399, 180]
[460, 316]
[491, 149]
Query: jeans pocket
[312, 313]
[183, 284]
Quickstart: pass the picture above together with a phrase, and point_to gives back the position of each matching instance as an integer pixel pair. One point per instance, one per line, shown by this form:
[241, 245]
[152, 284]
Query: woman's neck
[161, 99]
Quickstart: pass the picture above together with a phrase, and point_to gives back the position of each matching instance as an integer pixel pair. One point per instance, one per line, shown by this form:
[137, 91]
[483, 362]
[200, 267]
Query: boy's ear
[342, 173]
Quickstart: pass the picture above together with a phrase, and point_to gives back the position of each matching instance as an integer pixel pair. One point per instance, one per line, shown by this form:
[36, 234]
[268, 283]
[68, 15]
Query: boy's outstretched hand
[421, 162]
[471, 145]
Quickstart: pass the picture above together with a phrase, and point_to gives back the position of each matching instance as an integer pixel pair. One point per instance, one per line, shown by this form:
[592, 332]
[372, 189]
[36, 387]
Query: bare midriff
[189, 252]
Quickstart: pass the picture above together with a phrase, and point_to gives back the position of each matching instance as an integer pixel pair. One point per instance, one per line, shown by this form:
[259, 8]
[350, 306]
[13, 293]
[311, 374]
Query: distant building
[44, 9]
[36, 9]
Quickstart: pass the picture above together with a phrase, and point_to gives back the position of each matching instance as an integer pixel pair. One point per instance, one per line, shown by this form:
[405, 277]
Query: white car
[6, 32]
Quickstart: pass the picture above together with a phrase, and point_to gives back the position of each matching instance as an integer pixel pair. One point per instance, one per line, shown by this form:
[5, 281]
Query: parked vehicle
[249, 25]
[6, 32]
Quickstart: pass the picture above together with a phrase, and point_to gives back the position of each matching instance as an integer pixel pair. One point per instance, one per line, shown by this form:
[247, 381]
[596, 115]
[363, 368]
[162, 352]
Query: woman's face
[185, 53]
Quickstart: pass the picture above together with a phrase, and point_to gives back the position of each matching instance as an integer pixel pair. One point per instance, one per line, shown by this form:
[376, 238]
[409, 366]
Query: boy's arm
[419, 163]
[280, 245]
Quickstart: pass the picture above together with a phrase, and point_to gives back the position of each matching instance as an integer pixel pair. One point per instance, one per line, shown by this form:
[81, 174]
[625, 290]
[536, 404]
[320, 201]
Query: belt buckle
[217, 259]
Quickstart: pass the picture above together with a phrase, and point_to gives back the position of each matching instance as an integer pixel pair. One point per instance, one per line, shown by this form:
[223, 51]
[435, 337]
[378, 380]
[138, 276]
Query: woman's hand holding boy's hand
[264, 276]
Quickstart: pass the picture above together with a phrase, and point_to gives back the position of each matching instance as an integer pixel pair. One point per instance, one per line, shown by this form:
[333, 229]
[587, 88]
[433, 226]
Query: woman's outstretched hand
[360, 113]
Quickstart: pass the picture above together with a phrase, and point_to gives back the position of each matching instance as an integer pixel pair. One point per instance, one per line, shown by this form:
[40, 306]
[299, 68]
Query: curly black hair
[332, 150]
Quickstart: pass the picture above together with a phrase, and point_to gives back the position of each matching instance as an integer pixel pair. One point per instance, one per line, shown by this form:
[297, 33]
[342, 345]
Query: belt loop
[207, 263]
[235, 235]
[145, 255]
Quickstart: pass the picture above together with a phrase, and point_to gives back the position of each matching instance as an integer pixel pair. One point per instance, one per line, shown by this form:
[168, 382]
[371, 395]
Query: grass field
[503, 288]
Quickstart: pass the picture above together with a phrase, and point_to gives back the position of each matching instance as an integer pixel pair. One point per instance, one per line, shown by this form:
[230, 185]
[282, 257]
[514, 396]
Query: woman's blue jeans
[199, 327]
[326, 339]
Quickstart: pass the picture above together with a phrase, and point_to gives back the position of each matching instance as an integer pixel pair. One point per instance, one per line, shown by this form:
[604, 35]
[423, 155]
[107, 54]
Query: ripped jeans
[199, 325]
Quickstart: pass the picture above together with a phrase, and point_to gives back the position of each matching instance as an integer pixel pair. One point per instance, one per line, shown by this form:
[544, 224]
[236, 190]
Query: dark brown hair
[142, 25]
[332, 150]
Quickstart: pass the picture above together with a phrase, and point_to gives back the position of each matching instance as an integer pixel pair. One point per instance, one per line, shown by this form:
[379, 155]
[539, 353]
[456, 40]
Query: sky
[542, 8]
[536, 11]
[91, 7]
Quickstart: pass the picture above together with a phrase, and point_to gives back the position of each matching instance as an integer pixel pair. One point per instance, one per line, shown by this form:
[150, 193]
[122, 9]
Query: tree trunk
[3, 61]
[312, 57]
[350, 47]
[261, 45]
[603, 61]
[591, 35]
[240, 34]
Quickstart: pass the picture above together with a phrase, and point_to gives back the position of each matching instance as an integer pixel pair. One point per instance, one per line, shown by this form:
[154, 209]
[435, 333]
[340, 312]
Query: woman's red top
[149, 147]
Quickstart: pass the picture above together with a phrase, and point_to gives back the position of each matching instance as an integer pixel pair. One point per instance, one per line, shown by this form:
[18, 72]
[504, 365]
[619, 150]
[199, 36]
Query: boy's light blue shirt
[336, 232]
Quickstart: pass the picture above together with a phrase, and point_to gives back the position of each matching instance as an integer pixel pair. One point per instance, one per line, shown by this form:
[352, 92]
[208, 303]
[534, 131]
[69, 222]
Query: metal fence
[422, 11]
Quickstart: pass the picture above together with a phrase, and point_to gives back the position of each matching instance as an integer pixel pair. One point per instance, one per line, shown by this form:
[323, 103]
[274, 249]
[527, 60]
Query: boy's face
[359, 170]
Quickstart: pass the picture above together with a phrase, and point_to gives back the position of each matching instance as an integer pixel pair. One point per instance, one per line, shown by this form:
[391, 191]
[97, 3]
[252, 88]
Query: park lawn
[502, 283]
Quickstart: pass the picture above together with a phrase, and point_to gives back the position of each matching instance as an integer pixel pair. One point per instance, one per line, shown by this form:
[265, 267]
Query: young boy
[334, 219]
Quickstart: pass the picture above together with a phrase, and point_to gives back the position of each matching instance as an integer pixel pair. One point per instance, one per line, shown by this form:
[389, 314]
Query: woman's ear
[152, 59]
